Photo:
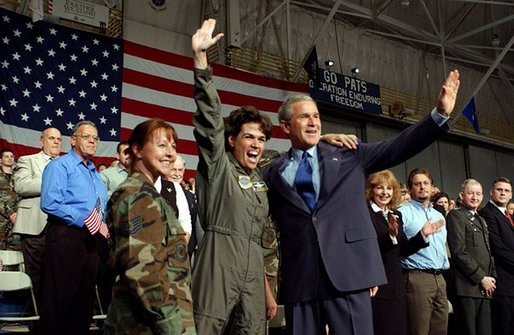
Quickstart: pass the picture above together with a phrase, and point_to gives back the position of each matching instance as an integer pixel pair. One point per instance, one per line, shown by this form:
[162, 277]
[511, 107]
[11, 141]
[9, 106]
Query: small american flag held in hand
[94, 222]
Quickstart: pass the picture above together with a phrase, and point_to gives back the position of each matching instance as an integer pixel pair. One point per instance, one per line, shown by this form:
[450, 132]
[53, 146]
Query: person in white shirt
[181, 200]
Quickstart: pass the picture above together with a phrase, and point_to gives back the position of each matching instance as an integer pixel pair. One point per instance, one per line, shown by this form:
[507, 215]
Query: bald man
[30, 219]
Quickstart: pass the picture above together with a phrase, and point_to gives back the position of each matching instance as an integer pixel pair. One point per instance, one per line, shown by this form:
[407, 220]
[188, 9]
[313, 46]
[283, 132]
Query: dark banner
[345, 91]
[340, 90]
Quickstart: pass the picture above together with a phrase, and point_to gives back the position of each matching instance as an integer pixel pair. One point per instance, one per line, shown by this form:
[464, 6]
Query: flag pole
[318, 36]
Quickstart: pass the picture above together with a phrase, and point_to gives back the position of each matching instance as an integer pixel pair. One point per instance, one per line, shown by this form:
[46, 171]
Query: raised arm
[203, 40]
[448, 94]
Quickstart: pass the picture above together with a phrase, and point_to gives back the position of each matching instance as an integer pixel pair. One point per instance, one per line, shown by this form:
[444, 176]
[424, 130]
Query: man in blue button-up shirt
[426, 288]
[74, 197]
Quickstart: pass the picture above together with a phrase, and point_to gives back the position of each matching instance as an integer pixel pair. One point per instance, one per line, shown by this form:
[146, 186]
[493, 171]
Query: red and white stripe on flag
[104, 231]
[159, 84]
[155, 84]
[93, 221]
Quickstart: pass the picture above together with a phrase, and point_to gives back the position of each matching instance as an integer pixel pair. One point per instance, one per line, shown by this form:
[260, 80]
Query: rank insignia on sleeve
[245, 182]
[136, 224]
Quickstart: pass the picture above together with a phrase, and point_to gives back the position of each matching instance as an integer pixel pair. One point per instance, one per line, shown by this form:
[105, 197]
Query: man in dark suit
[501, 237]
[474, 273]
[329, 253]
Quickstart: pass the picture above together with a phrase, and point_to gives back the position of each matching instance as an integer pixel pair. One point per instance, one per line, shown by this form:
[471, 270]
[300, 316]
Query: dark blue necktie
[303, 182]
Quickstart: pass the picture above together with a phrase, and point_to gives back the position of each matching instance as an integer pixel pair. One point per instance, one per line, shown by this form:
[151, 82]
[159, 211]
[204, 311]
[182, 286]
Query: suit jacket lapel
[328, 163]
[481, 223]
[41, 161]
[500, 215]
[476, 220]
[284, 188]
[381, 218]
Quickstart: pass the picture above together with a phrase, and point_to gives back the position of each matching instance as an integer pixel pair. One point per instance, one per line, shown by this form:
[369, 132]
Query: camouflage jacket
[8, 206]
[149, 253]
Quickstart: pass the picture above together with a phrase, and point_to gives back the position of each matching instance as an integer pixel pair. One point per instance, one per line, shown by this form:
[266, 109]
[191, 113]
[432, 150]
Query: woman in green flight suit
[230, 293]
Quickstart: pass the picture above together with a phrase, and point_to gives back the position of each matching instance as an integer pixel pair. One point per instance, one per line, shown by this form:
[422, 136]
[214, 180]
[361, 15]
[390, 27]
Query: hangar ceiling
[476, 33]
[479, 33]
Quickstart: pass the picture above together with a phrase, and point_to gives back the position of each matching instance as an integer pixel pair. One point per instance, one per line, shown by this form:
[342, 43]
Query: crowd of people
[360, 253]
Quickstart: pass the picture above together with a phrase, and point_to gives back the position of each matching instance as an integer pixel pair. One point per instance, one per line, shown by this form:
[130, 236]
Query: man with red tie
[501, 237]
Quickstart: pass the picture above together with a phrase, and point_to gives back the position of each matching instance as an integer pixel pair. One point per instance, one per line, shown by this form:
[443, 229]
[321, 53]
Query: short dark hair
[502, 180]
[118, 147]
[2, 151]
[246, 114]
[435, 198]
[285, 112]
[419, 171]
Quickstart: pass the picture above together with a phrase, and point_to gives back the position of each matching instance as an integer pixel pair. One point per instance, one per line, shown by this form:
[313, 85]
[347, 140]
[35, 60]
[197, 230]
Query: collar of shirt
[472, 211]
[121, 168]
[297, 154]
[420, 205]
[184, 215]
[47, 157]
[158, 184]
[295, 157]
[78, 160]
[377, 209]
[501, 208]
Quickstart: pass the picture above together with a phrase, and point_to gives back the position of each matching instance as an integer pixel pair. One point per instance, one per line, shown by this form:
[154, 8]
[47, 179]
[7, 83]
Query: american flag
[115, 83]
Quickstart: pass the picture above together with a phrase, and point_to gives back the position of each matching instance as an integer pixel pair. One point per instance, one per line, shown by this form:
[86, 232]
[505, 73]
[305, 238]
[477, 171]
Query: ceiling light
[355, 71]
[329, 63]
[495, 42]
[405, 3]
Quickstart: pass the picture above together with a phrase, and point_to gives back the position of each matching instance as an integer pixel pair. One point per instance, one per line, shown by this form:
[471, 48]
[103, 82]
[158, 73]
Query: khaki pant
[427, 303]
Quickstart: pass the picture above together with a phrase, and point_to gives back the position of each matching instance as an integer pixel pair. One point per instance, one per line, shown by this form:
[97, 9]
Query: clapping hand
[431, 227]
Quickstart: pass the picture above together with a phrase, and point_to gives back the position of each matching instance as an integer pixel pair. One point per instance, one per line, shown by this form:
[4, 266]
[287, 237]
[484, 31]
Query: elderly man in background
[474, 272]
[181, 200]
[30, 219]
[74, 197]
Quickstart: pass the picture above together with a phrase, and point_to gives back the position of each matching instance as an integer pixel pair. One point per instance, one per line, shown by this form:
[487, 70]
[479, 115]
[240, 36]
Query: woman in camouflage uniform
[149, 250]
[230, 294]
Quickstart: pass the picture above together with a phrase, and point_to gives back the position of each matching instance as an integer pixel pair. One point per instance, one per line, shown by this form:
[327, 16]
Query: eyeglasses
[88, 137]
